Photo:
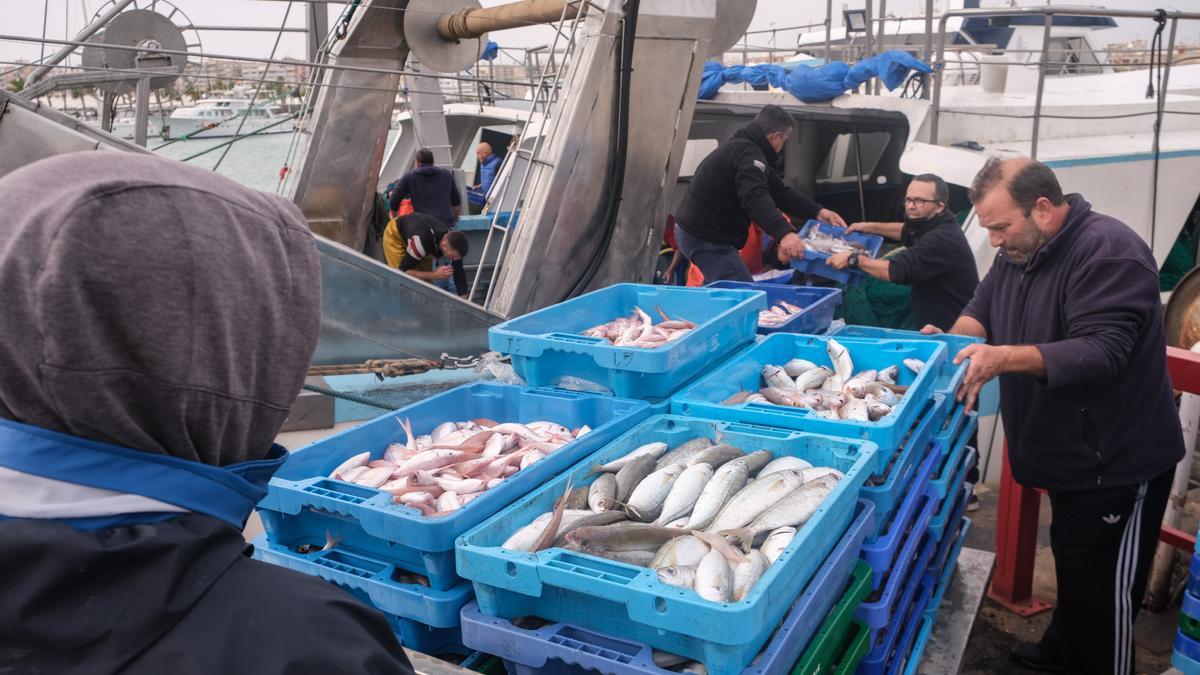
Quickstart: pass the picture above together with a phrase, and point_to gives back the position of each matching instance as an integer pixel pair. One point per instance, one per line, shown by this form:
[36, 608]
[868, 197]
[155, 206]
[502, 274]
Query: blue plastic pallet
[947, 571]
[892, 529]
[1191, 605]
[427, 639]
[1188, 649]
[887, 488]
[813, 261]
[900, 574]
[940, 482]
[566, 649]
[372, 581]
[303, 504]
[743, 372]
[949, 375]
[629, 602]
[905, 647]
[1193, 584]
[943, 518]
[818, 304]
[1184, 664]
[547, 345]
[949, 434]
[887, 640]
[945, 547]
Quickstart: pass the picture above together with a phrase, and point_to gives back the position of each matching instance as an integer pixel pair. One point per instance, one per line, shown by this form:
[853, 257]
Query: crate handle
[551, 392]
[757, 430]
[596, 645]
[780, 410]
[577, 339]
[583, 573]
[329, 494]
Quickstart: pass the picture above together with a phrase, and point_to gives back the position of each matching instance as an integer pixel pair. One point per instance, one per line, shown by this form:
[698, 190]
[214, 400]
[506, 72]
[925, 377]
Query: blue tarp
[815, 84]
[490, 51]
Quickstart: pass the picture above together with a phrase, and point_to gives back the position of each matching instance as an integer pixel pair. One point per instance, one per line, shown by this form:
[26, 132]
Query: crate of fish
[887, 487]
[854, 388]
[960, 495]
[902, 571]
[791, 309]
[822, 240]
[632, 340]
[376, 582]
[942, 481]
[949, 376]
[890, 643]
[687, 483]
[822, 651]
[401, 487]
[566, 649]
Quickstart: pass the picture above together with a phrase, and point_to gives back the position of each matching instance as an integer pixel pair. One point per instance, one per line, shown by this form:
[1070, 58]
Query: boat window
[842, 155]
[1071, 56]
[693, 153]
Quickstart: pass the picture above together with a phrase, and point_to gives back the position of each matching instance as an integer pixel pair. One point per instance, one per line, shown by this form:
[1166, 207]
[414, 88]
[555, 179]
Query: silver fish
[677, 575]
[856, 409]
[684, 452]
[785, 462]
[813, 379]
[654, 449]
[686, 551]
[631, 475]
[889, 375]
[595, 520]
[714, 578]
[716, 456]
[646, 501]
[777, 377]
[623, 537]
[525, 538]
[746, 574]
[877, 410]
[756, 460]
[602, 492]
[855, 387]
[797, 367]
[777, 542]
[725, 483]
[792, 511]
[881, 393]
[915, 365]
[684, 492]
[843, 365]
[785, 397]
[756, 498]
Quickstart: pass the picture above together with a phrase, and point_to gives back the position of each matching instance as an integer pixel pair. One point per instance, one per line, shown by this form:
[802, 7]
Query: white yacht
[216, 117]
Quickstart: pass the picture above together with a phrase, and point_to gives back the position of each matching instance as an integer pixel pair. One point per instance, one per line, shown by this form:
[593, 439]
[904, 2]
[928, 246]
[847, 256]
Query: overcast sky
[66, 17]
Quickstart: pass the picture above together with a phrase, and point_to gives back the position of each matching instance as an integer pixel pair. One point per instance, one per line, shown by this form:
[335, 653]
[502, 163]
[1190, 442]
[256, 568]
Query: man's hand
[839, 261]
[830, 217]
[986, 363]
[931, 329]
[443, 272]
[859, 227]
[791, 246]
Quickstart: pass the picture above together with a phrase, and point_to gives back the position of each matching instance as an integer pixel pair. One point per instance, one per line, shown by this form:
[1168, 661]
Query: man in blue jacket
[431, 189]
[1074, 328]
[489, 166]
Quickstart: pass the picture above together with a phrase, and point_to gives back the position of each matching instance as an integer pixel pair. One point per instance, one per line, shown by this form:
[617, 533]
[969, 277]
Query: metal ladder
[545, 95]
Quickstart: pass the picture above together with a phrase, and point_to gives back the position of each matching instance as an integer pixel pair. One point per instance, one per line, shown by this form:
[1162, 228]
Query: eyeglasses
[917, 201]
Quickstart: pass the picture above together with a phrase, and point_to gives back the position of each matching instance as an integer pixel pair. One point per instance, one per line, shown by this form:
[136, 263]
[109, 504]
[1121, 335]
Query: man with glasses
[737, 183]
[937, 263]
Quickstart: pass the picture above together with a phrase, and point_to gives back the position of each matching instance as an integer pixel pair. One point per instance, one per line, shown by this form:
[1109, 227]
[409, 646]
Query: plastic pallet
[1193, 584]
[944, 518]
[899, 576]
[565, 649]
[303, 505]
[548, 344]
[887, 487]
[945, 547]
[913, 514]
[817, 304]
[372, 582]
[1188, 651]
[890, 649]
[743, 372]
[949, 434]
[949, 375]
[1184, 664]
[947, 571]
[822, 652]
[854, 650]
[629, 602]
[1191, 605]
[427, 639]
[1189, 626]
[940, 483]
[814, 261]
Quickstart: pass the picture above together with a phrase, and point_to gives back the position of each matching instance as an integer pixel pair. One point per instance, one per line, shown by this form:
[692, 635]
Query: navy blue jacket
[432, 191]
[1089, 301]
[938, 267]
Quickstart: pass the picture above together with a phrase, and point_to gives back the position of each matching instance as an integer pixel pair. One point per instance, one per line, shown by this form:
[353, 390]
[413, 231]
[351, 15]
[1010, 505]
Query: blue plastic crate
[818, 304]
[1193, 584]
[887, 488]
[629, 602]
[904, 649]
[952, 460]
[372, 581]
[941, 556]
[945, 438]
[1184, 664]
[943, 518]
[427, 639]
[743, 372]
[891, 530]
[947, 572]
[547, 344]
[887, 640]
[566, 649]
[1191, 605]
[813, 261]
[949, 375]
[901, 573]
[303, 504]
[1188, 648]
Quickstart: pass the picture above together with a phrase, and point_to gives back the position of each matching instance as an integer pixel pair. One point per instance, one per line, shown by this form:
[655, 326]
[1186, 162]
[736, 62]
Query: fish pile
[639, 330]
[444, 470]
[836, 393]
[706, 515]
[778, 314]
[824, 242]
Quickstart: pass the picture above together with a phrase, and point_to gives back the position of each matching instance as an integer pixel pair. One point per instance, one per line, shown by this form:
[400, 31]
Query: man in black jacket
[158, 321]
[739, 183]
[936, 263]
[1074, 329]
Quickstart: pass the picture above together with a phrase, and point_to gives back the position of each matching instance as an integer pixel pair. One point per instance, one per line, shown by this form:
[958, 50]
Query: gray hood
[153, 305]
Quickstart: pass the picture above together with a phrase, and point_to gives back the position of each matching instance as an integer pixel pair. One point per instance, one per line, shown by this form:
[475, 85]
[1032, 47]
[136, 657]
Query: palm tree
[17, 84]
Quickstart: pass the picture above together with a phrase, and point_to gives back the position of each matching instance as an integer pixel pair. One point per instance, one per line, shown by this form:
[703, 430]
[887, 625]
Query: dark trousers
[1103, 542]
[717, 262]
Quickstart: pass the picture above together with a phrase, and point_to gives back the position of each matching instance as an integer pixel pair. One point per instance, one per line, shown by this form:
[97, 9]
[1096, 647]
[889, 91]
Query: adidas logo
[1111, 518]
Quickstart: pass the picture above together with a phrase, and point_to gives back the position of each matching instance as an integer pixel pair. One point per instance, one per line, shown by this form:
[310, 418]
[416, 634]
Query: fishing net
[1180, 260]
[877, 303]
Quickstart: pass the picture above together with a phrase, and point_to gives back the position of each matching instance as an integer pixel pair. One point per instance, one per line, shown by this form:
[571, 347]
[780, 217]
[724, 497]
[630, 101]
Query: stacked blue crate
[1186, 654]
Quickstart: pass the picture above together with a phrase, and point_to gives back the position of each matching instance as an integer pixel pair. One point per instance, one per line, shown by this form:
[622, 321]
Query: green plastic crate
[1189, 626]
[854, 648]
[822, 653]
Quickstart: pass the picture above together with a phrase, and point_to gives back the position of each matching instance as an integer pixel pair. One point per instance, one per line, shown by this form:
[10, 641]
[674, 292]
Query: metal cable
[354, 398]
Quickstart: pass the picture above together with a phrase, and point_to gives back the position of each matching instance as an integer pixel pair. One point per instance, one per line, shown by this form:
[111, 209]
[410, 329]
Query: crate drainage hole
[511, 569]
[660, 605]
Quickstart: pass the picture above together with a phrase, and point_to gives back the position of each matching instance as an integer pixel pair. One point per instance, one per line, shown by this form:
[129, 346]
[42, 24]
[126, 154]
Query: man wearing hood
[937, 263]
[431, 189]
[157, 323]
[736, 184]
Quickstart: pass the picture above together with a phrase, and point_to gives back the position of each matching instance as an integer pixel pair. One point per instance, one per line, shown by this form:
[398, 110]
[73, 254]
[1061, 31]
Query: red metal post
[1184, 367]
[1016, 546]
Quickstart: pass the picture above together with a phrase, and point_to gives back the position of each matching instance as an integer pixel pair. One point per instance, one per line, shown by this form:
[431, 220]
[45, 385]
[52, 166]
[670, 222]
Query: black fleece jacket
[938, 267]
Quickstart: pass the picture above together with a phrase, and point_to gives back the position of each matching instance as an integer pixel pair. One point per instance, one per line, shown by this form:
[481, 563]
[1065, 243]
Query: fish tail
[330, 541]
[743, 537]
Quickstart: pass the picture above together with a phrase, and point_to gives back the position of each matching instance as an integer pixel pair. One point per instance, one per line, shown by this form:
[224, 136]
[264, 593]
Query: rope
[381, 367]
[354, 398]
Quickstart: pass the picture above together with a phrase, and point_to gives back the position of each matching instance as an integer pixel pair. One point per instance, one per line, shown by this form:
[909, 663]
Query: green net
[877, 303]
[1180, 260]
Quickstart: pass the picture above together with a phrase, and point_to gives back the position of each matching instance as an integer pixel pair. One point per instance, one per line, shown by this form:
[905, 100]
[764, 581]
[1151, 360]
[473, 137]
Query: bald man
[489, 166]
[1074, 328]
